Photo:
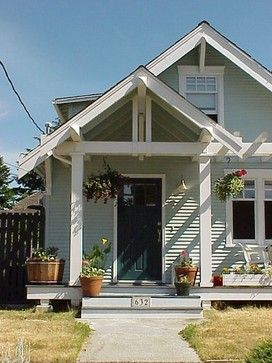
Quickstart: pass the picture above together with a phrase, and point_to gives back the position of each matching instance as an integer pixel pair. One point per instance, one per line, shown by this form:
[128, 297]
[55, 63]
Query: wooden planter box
[246, 280]
[49, 272]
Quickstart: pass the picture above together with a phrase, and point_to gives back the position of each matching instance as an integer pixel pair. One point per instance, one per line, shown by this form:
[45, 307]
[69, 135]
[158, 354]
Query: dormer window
[204, 90]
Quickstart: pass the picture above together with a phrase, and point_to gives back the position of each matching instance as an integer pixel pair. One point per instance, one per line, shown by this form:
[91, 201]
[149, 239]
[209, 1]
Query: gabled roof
[221, 44]
[120, 90]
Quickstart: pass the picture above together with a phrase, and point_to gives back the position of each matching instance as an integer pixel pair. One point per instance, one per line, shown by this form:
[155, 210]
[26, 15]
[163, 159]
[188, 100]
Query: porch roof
[140, 78]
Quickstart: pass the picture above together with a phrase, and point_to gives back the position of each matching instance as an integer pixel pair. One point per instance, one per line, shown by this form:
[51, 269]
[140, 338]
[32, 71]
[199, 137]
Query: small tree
[7, 193]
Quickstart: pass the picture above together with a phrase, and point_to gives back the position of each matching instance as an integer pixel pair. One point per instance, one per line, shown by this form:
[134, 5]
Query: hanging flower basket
[105, 186]
[230, 185]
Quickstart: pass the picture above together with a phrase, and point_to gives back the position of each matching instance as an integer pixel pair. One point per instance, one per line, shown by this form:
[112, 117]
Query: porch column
[205, 221]
[76, 225]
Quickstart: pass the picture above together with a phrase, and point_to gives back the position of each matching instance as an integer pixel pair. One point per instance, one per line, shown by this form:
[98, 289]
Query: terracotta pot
[91, 286]
[45, 272]
[182, 289]
[190, 272]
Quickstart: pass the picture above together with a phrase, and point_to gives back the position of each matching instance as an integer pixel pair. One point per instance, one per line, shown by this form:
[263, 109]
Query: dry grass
[229, 334]
[53, 337]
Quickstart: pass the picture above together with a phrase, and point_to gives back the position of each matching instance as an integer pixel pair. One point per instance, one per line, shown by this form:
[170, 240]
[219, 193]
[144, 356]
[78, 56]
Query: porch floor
[222, 293]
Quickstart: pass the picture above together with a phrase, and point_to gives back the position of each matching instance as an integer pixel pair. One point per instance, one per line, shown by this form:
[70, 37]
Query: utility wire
[19, 98]
[14, 166]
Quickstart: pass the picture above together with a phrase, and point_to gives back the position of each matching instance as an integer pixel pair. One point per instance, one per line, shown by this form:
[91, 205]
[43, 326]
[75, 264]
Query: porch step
[126, 306]
[143, 290]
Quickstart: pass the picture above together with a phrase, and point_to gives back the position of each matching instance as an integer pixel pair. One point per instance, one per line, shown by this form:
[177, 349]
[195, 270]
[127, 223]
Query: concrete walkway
[137, 340]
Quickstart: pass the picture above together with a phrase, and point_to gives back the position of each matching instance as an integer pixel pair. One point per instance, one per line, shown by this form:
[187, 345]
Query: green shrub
[262, 353]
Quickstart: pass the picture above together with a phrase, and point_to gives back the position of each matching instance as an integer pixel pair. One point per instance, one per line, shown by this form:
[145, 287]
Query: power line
[14, 166]
[19, 98]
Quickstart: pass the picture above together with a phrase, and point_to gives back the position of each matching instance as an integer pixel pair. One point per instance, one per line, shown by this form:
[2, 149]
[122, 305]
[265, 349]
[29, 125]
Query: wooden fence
[19, 233]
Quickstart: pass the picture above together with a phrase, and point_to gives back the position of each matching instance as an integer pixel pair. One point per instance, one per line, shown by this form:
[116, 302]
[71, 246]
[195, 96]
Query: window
[243, 213]
[204, 90]
[249, 216]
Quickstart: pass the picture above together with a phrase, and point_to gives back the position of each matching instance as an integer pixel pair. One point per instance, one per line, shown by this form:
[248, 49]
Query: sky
[57, 48]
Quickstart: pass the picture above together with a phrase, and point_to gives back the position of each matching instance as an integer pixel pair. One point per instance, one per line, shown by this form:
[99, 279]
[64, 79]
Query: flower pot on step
[91, 286]
[190, 272]
[182, 289]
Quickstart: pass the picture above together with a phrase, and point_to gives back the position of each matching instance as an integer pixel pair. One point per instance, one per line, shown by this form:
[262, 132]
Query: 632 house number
[140, 302]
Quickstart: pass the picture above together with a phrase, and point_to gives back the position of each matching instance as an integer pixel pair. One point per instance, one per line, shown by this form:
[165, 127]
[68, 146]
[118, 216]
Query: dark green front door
[139, 231]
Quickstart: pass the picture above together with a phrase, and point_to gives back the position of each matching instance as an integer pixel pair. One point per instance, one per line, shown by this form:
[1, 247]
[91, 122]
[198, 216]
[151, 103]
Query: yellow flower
[104, 241]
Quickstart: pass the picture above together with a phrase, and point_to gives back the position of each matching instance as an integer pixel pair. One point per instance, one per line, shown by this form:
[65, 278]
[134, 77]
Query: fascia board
[174, 53]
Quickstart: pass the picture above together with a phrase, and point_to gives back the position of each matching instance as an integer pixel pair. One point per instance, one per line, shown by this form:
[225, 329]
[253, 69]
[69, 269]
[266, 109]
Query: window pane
[211, 87]
[268, 219]
[249, 183]
[211, 80]
[243, 220]
[249, 194]
[151, 195]
[191, 87]
[203, 101]
[268, 189]
[139, 194]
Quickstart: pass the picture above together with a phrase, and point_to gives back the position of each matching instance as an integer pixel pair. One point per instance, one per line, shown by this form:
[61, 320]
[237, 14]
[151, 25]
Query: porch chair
[256, 254]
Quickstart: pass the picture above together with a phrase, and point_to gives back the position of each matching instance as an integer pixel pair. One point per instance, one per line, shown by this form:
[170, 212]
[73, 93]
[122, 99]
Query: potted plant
[93, 270]
[44, 267]
[185, 267]
[183, 285]
[230, 185]
[105, 186]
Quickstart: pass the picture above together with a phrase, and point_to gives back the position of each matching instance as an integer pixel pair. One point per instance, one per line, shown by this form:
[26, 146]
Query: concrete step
[160, 306]
[192, 313]
[134, 301]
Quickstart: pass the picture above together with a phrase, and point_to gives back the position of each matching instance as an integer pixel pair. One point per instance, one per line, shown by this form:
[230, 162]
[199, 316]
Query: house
[199, 109]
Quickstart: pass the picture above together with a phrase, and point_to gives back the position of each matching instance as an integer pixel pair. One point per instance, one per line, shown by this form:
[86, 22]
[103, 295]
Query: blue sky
[55, 48]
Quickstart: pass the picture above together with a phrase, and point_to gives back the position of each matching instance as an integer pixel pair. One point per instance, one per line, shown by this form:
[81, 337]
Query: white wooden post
[205, 221]
[76, 226]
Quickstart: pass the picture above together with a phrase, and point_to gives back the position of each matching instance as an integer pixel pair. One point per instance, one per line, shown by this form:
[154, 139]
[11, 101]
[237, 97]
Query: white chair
[256, 254]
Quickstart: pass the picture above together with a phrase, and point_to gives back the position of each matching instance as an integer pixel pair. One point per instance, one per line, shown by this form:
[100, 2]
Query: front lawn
[53, 337]
[230, 333]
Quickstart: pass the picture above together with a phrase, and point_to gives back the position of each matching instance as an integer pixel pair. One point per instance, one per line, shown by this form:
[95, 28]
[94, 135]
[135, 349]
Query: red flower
[183, 253]
[240, 173]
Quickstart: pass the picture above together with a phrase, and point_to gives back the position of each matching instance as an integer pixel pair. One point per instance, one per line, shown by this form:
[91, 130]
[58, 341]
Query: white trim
[115, 224]
[205, 217]
[259, 176]
[135, 118]
[148, 120]
[48, 176]
[216, 71]
[76, 219]
[221, 44]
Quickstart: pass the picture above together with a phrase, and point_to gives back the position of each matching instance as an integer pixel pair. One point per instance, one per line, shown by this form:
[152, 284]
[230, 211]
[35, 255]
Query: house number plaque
[140, 302]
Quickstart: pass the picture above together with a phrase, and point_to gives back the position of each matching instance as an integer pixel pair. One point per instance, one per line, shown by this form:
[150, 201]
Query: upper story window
[204, 90]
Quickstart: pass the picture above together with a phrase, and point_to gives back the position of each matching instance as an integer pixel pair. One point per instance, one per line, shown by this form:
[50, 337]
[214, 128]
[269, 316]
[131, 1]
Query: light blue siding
[248, 105]
[181, 211]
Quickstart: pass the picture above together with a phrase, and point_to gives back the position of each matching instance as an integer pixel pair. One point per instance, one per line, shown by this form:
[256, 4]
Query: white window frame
[210, 71]
[259, 176]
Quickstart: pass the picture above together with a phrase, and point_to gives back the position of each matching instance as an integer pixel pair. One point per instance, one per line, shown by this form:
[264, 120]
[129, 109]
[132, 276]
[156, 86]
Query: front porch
[117, 300]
